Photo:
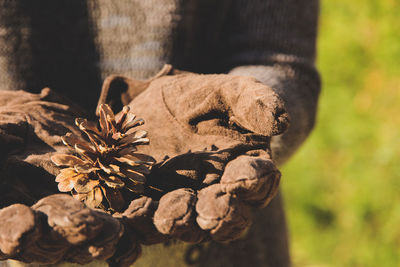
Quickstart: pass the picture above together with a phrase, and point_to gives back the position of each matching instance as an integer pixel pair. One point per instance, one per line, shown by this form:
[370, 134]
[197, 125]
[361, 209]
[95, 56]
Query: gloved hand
[58, 227]
[210, 135]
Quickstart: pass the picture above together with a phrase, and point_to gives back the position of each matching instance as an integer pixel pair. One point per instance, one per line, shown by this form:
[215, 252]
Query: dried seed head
[105, 165]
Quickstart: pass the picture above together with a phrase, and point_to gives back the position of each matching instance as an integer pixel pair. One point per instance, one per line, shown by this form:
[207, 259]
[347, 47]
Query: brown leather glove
[58, 227]
[210, 135]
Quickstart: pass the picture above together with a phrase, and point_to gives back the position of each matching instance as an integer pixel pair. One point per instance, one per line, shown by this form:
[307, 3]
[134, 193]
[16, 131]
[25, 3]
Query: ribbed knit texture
[71, 45]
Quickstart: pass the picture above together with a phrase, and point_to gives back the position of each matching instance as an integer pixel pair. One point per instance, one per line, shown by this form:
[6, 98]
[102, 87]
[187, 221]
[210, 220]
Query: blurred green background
[342, 188]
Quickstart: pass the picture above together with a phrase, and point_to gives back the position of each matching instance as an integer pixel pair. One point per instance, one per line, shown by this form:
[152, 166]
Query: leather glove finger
[18, 223]
[139, 217]
[176, 216]
[92, 234]
[102, 247]
[221, 214]
[252, 178]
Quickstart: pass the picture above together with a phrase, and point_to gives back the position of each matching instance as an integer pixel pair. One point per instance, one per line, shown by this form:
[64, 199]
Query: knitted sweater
[71, 45]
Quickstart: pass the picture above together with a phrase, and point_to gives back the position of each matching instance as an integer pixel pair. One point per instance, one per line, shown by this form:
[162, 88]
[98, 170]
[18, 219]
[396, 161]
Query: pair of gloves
[210, 136]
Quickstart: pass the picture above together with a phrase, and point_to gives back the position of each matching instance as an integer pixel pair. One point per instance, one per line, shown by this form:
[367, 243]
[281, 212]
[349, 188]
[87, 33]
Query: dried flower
[105, 166]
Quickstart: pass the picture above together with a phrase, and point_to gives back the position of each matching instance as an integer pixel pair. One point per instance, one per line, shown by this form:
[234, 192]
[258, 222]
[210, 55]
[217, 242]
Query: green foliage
[342, 187]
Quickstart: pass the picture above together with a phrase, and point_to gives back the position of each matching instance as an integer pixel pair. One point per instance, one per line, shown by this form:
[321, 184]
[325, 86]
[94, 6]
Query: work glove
[210, 135]
[58, 227]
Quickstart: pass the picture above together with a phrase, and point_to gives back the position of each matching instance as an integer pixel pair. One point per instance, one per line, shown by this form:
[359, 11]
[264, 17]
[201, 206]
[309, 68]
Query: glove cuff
[118, 91]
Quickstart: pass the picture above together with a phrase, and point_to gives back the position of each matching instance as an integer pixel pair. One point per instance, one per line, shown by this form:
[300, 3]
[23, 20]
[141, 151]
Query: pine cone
[105, 170]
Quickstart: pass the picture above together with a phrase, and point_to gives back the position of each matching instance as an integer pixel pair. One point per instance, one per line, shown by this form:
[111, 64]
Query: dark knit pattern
[71, 45]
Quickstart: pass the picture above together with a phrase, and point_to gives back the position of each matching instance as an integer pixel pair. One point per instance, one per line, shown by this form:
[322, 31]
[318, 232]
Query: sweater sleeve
[274, 41]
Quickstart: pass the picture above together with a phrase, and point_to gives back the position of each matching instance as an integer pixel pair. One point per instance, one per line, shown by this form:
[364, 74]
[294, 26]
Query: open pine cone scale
[105, 164]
